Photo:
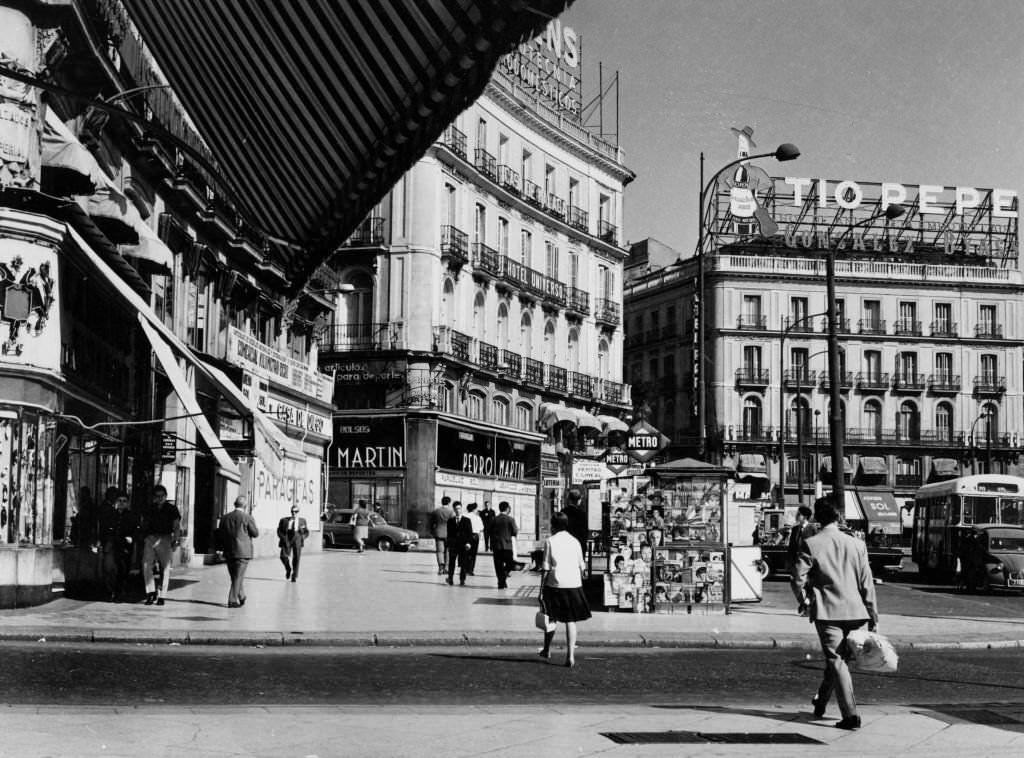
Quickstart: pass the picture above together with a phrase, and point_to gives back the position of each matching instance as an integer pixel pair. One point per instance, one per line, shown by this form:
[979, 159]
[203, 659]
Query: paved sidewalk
[344, 598]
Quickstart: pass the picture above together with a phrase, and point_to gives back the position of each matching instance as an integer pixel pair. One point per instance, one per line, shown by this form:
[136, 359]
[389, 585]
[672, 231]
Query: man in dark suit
[577, 516]
[834, 577]
[237, 532]
[460, 541]
[502, 534]
[291, 536]
[439, 531]
[801, 530]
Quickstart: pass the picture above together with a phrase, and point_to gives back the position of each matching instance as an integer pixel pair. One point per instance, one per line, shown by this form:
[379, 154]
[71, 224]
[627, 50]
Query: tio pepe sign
[644, 442]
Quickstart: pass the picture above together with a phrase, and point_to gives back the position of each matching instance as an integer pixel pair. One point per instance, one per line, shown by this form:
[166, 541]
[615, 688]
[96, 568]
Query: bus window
[985, 510]
[1011, 511]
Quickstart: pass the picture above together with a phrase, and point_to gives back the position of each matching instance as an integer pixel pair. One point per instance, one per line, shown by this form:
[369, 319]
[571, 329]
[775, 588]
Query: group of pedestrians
[458, 534]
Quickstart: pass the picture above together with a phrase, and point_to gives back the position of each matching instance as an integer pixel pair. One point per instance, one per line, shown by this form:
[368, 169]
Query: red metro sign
[644, 442]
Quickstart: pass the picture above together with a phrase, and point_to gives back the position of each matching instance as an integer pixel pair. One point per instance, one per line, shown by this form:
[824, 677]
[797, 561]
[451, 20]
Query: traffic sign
[644, 442]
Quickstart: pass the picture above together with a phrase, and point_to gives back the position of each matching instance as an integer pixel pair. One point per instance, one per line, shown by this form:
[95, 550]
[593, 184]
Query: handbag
[872, 651]
[542, 622]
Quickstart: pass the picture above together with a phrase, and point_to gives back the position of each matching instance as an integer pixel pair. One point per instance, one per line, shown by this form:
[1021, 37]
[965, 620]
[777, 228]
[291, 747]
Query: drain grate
[696, 738]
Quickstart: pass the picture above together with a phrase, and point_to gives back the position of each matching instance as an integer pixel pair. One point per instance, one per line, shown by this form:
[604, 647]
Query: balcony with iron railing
[907, 327]
[873, 381]
[553, 292]
[557, 378]
[448, 341]
[988, 331]
[944, 329]
[534, 375]
[533, 194]
[871, 326]
[799, 324]
[455, 141]
[753, 433]
[578, 218]
[509, 179]
[749, 322]
[944, 383]
[487, 356]
[607, 232]
[487, 262]
[555, 206]
[908, 381]
[987, 384]
[485, 163]
[370, 337]
[752, 377]
[607, 312]
[909, 480]
[802, 378]
[454, 244]
[513, 363]
[845, 380]
[369, 233]
[607, 391]
[842, 325]
[943, 438]
[579, 301]
[582, 385]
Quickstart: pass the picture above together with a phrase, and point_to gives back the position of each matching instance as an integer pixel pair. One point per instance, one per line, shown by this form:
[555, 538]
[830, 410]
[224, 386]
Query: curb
[199, 638]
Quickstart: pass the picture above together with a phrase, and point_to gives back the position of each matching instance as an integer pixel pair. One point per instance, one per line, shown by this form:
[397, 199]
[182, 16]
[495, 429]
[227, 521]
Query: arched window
[602, 360]
[873, 419]
[524, 417]
[526, 335]
[988, 428]
[944, 422]
[574, 350]
[479, 321]
[908, 422]
[356, 304]
[549, 342]
[752, 418]
[448, 303]
[800, 419]
[503, 326]
[475, 406]
[446, 397]
[499, 411]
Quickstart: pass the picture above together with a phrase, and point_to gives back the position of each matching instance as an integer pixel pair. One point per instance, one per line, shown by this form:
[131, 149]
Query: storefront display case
[666, 541]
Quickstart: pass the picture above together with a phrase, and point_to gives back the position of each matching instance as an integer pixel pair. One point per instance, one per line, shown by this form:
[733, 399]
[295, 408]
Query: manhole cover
[690, 738]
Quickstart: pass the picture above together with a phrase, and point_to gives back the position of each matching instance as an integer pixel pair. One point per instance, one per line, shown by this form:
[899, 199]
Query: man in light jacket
[834, 579]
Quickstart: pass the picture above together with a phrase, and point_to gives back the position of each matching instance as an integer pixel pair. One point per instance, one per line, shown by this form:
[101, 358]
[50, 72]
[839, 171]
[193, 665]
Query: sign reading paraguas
[368, 442]
[487, 454]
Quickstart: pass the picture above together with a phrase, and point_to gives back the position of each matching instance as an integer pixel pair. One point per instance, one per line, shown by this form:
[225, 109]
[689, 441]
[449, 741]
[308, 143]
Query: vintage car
[992, 557]
[339, 531]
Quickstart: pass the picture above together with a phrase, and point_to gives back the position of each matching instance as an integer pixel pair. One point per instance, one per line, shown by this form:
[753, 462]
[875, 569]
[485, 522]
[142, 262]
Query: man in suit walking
[801, 530]
[439, 531]
[291, 536]
[502, 534]
[460, 541]
[835, 582]
[238, 530]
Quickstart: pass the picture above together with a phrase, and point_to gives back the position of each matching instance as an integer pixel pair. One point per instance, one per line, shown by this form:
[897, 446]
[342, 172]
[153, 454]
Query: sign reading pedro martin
[368, 442]
[487, 454]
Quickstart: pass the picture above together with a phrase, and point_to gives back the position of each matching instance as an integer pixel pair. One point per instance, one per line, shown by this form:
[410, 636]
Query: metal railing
[842, 325]
[944, 329]
[751, 322]
[607, 232]
[987, 331]
[845, 380]
[369, 232]
[555, 206]
[488, 356]
[944, 382]
[579, 301]
[871, 326]
[342, 338]
[455, 141]
[557, 378]
[487, 260]
[582, 384]
[907, 381]
[533, 194]
[803, 378]
[509, 179]
[907, 327]
[534, 373]
[448, 341]
[607, 311]
[990, 385]
[753, 376]
[513, 363]
[873, 380]
[578, 218]
[455, 242]
[485, 163]
[801, 324]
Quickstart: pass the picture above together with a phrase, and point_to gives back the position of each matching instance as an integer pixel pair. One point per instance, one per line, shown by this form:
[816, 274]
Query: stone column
[19, 103]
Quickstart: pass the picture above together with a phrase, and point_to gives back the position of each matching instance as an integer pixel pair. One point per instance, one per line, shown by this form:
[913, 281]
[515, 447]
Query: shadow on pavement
[535, 660]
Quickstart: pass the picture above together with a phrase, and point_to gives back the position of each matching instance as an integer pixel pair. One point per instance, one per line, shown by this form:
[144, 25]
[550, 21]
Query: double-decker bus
[944, 511]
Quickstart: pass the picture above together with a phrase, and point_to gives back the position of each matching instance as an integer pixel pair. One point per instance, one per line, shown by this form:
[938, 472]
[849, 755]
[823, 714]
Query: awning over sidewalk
[72, 166]
[826, 464]
[945, 468]
[881, 510]
[187, 396]
[752, 465]
[873, 466]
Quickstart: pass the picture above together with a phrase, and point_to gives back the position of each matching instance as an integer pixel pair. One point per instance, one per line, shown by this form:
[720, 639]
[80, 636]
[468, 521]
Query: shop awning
[826, 464]
[313, 109]
[150, 248]
[945, 467]
[553, 413]
[752, 463]
[68, 162]
[881, 510]
[612, 424]
[874, 466]
[187, 396]
[584, 420]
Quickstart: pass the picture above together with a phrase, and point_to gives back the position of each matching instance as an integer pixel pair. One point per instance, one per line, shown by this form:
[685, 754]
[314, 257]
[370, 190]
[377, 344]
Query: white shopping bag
[872, 651]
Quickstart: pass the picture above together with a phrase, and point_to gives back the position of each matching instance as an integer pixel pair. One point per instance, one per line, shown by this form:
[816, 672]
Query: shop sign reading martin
[644, 442]
[368, 442]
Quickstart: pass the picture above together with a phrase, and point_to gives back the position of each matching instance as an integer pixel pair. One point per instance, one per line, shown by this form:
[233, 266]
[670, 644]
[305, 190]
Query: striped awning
[313, 109]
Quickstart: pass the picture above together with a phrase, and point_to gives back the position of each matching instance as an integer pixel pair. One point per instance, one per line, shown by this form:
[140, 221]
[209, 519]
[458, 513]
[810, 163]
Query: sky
[908, 91]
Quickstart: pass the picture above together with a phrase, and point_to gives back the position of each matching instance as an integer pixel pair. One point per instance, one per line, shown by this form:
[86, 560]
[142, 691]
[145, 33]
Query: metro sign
[617, 460]
[644, 442]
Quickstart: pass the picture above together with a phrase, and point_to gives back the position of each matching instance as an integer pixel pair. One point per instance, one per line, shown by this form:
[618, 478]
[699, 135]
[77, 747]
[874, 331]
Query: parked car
[992, 557]
[339, 531]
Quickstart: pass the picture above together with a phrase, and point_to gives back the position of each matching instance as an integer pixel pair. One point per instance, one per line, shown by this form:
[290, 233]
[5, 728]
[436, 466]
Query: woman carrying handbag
[561, 587]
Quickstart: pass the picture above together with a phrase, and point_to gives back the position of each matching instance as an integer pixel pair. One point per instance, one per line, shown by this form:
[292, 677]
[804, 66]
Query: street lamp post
[986, 413]
[817, 415]
[835, 418]
[784, 152]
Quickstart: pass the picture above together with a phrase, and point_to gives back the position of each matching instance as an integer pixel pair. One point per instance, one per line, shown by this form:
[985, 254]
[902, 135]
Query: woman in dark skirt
[561, 586]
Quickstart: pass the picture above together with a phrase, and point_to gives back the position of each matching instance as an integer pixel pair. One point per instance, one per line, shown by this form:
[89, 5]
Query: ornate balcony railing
[554, 291]
[802, 378]
[845, 380]
[534, 373]
[578, 218]
[557, 378]
[533, 194]
[873, 380]
[801, 324]
[455, 141]
[944, 329]
[871, 326]
[607, 311]
[608, 391]
[908, 480]
[944, 382]
[555, 206]
[485, 163]
[454, 243]
[341, 338]
[842, 325]
[369, 232]
[488, 356]
[579, 301]
[509, 179]
[513, 363]
[608, 232]
[987, 331]
[989, 385]
[907, 327]
[582, 384]
[487, 260]
[906, 381]
[451, 342]
[748, 322]
[753, 377]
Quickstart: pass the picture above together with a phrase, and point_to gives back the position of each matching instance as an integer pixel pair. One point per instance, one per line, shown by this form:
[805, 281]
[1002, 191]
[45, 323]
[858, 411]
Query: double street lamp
[986, 414]
[782, 405]
[784, 152]
[836, 430]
